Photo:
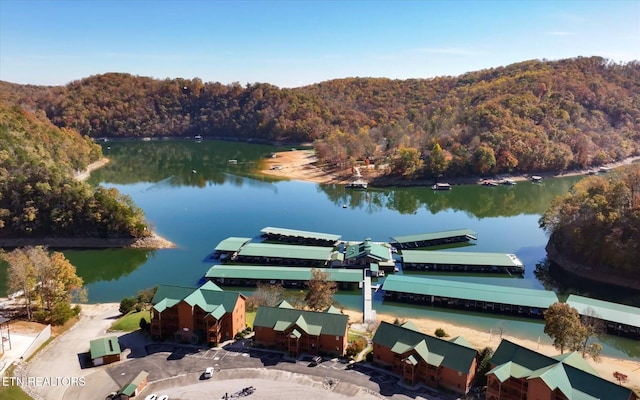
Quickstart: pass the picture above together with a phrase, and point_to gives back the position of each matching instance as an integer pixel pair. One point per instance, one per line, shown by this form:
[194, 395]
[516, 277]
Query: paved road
[177, 369]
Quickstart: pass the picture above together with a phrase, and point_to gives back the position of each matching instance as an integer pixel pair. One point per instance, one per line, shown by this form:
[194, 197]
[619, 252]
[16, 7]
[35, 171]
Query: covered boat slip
[619, 319]
[300, 237]
[229, 246]
[461, 261]
[468, 296]
[433, 239]
[251, 275]
[283, 254]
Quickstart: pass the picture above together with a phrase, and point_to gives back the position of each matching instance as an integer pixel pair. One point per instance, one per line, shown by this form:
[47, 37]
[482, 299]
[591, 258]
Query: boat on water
[507, 181]
[359, 184]
[489, 183]
[197, 137]
[441, 186]
[536, 179]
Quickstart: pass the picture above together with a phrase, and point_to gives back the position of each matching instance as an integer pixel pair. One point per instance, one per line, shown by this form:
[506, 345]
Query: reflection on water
[194, 197]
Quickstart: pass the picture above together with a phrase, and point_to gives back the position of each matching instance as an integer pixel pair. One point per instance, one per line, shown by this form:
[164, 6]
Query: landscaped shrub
[441, 333]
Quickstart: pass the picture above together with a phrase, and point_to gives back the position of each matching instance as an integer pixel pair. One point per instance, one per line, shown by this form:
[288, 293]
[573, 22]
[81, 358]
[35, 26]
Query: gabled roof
[442, 257]
[402, 339]
[269, 272]
[470, 291]
[311, 322]
[369, 249]
[208, 297]
[564, 373]
[605, 310]
[130, 388]
[104, 347]
[286, 251]
[434, 236]
[296, 233]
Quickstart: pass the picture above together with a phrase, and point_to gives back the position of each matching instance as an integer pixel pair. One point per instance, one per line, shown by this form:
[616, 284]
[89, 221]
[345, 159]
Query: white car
[152, 396]
[208, 373]
[163, 397]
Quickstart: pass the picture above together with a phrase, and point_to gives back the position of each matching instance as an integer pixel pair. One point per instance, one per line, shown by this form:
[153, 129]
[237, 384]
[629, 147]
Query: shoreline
[302, 165]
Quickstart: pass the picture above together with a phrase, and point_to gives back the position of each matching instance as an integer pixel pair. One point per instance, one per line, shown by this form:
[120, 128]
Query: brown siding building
[299, 331]
[424, 359]
[519, 373]
[197, 315]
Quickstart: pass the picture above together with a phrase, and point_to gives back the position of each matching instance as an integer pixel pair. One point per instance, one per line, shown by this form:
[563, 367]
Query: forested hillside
[597, 224]
[39, 196]
[526, 117]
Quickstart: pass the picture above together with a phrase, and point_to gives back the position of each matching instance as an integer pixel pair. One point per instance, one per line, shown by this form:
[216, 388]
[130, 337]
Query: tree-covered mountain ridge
[535, 115]
[39, 196]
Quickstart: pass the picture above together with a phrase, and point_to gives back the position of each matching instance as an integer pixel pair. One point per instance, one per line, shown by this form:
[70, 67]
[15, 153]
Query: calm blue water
[192, 196]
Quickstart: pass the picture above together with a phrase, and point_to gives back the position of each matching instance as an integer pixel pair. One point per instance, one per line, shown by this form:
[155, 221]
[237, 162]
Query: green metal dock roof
[107, 346]
[297, 233]
[460, 258]
[232, 244]
[286, 273]
[605, 310]
[434, 236]
[470, 291]
[286, 251]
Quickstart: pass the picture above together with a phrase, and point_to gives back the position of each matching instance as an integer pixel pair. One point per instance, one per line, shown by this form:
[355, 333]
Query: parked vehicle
[208, 373]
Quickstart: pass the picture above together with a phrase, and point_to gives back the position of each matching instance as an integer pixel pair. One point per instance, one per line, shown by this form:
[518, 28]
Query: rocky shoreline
[151, 242]
[588, 273]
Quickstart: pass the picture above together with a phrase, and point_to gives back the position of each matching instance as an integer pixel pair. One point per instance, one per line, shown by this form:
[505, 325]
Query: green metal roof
[209, 297]
[267, 272]
[286, 251]
[232, 244]
[368, 248]
[605, 310]
[107, 346]
[470, 291]
[297, 233]
[433, 350]
[314, 323]
[130, 388]
[434, 236]
[562, 373]
[460, 258]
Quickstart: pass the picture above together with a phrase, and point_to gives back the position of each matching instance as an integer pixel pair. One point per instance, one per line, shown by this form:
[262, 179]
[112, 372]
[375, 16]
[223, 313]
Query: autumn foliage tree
[46, 281]
[564, 325]
[320, 290]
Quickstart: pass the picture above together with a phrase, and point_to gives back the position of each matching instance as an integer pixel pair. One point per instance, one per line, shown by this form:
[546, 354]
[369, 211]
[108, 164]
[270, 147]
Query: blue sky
[294, 43]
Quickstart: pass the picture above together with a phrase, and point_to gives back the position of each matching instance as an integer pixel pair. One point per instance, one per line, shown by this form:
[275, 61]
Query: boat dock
[294, 236]
[433, 239]
[461, 261]
[522, 302]
[288, 277]
[618, 319]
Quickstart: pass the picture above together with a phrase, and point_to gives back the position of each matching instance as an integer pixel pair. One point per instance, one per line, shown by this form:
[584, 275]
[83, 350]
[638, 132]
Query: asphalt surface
[177, 369]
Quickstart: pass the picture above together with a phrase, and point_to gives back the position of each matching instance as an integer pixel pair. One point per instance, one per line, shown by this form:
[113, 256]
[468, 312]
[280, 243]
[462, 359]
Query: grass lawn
[130, 322]
[250, 316]
[13, 393]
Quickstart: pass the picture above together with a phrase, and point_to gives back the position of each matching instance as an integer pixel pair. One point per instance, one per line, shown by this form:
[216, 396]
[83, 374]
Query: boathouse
[299, 331]
[433, 239]
[424, 359]
[619, 319]
[283, 254]
[305, 238]
[468, 296]
[519, 373]
[364, 254]
[228, 247]
[289, 277]
[194, 315]
[461, 261]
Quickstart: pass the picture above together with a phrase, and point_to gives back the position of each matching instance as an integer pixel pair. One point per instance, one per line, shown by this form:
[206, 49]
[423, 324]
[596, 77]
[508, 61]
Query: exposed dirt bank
[587, 273]
[151, 242]
[303, 165]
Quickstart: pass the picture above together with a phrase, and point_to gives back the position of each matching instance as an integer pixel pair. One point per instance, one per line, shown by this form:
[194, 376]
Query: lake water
[194, 197]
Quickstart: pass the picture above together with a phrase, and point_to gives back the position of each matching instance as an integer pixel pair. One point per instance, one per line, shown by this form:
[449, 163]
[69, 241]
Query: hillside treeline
[39, 196]
[525, 117]
[597, 224]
